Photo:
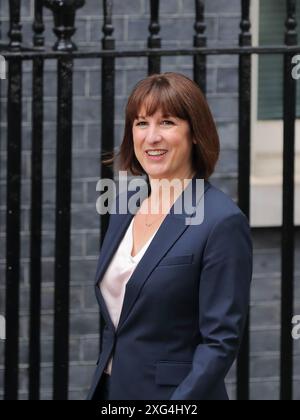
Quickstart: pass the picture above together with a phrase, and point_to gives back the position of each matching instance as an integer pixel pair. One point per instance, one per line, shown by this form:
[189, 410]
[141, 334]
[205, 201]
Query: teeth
[156, 153]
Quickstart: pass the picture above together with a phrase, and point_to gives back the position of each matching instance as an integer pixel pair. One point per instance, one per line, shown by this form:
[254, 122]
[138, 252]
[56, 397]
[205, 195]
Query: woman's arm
[224, 294]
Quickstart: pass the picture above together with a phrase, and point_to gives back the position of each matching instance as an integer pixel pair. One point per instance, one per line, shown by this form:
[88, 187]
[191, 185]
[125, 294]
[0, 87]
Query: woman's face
[166, 134]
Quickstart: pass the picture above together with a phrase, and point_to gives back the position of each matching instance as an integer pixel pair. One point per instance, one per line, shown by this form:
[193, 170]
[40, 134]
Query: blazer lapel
[107, 252]
[169, 232]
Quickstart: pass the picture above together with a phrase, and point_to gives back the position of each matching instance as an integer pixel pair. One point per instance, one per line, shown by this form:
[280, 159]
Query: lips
[157, 158]
[158, 151]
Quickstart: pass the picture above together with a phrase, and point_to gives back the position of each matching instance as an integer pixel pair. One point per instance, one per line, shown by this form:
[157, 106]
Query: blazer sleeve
[224, 295]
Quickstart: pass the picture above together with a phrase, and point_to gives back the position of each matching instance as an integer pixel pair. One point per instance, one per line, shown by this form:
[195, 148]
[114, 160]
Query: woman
[173, 297]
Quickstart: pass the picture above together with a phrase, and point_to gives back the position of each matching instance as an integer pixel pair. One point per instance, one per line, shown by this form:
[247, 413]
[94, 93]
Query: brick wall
[131, 19]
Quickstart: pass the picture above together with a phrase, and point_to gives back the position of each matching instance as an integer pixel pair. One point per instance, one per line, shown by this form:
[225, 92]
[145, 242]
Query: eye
[144, 122]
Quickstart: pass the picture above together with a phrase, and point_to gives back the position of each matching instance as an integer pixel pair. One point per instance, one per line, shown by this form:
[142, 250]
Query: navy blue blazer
[184, 309]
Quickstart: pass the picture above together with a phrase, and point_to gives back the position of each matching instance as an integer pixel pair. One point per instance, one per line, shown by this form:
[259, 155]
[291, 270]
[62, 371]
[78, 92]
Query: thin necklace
[150, 224]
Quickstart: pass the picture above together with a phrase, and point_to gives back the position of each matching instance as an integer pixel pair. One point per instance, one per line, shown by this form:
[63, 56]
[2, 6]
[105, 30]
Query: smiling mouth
[156, 153]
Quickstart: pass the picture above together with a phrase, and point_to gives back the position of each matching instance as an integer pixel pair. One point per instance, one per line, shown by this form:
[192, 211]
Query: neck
[161, 191]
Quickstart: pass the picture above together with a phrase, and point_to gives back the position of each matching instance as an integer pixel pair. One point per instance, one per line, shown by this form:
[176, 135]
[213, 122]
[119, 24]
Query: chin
[156, 173]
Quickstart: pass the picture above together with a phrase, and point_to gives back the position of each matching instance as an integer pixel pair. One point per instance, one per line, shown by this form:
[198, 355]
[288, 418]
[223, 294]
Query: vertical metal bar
[63, 228]
[108, 99]
[14, 144]
[108, 115]
[288, 231]
[154, 40]
[15, 34]
[200, 41]
[38, 25]
[64, 16]
[0, 97]
[36, 208]
[244, 174]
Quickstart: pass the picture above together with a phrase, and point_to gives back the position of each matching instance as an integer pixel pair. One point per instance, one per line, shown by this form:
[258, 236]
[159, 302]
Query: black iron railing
[64, 52]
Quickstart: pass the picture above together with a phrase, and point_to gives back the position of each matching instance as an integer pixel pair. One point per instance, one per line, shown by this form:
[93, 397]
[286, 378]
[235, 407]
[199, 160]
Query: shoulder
[227, 227]
[220, 207]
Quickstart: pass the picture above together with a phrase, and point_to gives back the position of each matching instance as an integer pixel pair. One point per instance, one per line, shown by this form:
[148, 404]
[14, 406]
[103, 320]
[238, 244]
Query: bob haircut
[178, 96]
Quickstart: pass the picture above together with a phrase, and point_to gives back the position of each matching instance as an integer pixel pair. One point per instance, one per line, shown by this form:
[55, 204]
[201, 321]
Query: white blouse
[117, 275]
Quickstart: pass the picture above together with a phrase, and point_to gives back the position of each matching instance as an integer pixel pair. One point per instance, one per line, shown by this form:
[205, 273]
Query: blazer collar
[168, 233]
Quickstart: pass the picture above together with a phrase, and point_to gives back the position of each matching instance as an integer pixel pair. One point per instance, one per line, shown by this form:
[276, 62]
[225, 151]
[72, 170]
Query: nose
[153, 134]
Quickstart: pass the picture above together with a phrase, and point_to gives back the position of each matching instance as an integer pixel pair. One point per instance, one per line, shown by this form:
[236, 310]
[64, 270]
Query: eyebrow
[164, 116]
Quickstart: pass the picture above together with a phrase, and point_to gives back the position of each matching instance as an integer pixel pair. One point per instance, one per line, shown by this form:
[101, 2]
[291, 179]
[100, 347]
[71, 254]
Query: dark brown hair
[177, 95]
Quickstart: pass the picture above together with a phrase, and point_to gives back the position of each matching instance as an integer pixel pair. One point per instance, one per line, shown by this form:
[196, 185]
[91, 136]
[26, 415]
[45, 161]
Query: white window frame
[267, 155]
